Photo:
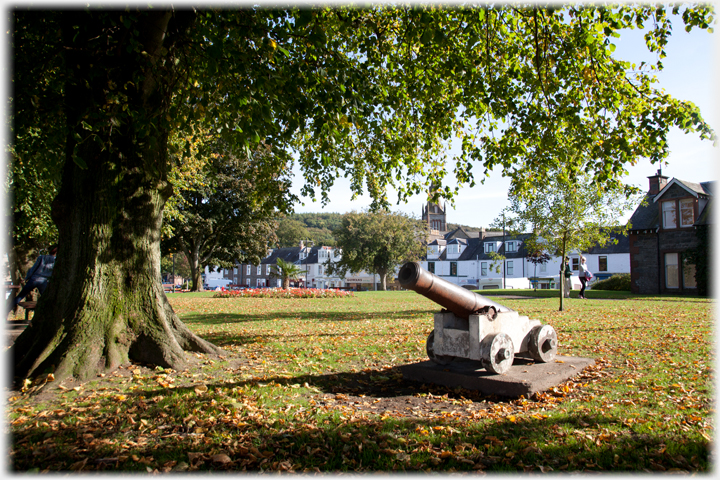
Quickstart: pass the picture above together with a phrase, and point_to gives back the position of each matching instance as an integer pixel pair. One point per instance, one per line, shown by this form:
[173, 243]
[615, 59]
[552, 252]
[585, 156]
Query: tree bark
[193, 258]
[105, 304]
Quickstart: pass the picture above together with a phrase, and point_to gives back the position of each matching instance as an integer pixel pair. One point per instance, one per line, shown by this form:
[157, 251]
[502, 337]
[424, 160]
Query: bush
[619, 282]
[283, 293]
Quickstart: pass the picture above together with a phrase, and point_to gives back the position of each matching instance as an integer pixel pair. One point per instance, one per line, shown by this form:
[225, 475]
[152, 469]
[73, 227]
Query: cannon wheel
[543, 343]
[429, 348]
[497, 352]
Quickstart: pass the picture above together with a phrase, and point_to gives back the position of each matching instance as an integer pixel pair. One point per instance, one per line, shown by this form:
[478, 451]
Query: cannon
[474, 327]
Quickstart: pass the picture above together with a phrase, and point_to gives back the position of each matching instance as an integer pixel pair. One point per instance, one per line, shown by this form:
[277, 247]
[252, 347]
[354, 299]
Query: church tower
[435, 216]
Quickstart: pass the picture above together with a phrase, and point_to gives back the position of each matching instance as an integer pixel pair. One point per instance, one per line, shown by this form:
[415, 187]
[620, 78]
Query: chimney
[657, 182]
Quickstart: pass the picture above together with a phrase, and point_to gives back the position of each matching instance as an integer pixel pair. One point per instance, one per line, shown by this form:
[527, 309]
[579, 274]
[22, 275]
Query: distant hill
[308, 227]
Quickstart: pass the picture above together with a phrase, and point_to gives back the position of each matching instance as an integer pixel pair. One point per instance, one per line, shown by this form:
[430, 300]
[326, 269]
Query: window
[453, 269]
[576, 264]
[511, 246]
[687, 212]
[689, 274]
[235, 270]
[320, 270]
[259, 270]
[267, 269]
[543, 268]
[489, 247]
[669, 214]
[323, 253]
[248, 270]
[431, 267]
[433, 250]
[483, 269]
[453, 248]
[247, 282]
[509, 268]
[671, 271]
[602, 264]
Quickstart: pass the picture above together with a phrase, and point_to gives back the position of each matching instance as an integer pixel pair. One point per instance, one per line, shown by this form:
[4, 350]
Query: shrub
[619, 282]
[283, 293]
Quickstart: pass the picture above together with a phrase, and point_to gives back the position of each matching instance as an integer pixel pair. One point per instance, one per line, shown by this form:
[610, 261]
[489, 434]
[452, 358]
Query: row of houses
[664, 229]
[312, 261]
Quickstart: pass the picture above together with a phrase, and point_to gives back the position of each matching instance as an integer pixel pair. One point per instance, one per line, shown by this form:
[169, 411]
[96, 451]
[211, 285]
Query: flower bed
[284, 293]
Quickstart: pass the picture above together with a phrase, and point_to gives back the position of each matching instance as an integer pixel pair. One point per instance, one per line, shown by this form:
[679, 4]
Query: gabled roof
[647, 217]
[438, 241]
[695, 189]
[458, 241]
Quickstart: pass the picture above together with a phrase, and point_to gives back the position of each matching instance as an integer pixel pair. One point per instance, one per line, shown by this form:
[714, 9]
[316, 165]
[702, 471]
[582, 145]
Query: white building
[464, 258]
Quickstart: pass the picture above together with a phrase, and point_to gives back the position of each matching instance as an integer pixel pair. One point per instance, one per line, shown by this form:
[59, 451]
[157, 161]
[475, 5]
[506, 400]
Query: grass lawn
[313, 385]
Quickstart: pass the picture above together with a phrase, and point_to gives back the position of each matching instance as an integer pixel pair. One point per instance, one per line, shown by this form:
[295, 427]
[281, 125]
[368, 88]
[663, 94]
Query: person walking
[37, 276]
[567, 278]
[585, 275]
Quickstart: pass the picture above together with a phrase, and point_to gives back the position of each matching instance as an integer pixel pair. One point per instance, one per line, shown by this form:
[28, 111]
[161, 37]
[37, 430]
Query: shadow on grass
[303, 440]
[224, 318]
[223, 339]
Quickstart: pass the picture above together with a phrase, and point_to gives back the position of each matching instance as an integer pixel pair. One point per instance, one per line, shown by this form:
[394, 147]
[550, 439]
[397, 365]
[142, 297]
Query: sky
[690, 73]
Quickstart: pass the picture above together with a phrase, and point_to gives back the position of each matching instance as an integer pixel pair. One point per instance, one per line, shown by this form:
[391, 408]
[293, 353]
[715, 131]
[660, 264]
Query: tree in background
[373, 94]
[231, 215]
[538, 257]
[377, 242]
[570, 213]
[34, 160]
[286, 271]
[175, 262]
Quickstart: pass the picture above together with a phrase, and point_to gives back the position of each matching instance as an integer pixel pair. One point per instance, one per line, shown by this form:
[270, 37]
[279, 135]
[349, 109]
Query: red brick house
[668, 235]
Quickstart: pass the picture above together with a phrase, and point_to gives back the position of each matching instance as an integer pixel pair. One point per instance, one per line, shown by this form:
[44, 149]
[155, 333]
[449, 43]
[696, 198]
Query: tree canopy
[376, 94]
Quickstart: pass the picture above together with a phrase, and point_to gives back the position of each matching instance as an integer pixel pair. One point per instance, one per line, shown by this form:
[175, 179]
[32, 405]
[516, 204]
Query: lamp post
[173, 259]
[504, 250]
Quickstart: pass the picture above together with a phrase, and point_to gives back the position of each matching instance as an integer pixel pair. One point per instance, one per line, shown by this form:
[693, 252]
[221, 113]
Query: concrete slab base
[524, 378]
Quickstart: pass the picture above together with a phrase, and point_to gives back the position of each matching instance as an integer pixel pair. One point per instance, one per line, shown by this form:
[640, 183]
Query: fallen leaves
[306, 388]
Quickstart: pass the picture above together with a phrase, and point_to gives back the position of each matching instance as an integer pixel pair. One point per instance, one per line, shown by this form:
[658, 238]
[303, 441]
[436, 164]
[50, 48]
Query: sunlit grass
[309, 384]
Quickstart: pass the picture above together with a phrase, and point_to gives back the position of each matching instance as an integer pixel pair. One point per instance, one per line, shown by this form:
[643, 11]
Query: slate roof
[622, 245]
[289, 254]
[646, 216]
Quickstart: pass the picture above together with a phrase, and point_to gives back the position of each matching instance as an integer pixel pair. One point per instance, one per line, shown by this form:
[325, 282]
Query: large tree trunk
[105, 304]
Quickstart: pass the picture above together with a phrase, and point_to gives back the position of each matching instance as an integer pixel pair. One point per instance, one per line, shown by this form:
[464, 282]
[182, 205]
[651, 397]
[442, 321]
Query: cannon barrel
[458, 300]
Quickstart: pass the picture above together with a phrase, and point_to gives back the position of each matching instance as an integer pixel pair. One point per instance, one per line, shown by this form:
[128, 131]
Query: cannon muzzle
[458, 300]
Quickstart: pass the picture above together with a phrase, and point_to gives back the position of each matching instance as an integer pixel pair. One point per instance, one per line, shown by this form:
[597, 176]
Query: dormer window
[511, 246]
[669, 214]
[489, 247]
[687, 212]
[453, 249]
